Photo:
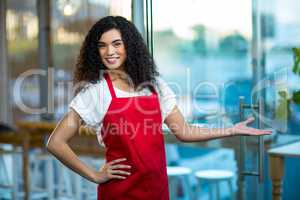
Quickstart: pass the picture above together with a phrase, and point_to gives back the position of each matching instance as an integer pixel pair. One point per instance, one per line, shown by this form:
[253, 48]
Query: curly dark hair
[139, 64]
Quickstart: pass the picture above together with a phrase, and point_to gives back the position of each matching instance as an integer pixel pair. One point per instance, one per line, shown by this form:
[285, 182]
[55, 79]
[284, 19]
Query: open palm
[242, 128]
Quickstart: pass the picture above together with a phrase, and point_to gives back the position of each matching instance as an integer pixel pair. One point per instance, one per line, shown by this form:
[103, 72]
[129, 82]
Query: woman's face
[112, 50]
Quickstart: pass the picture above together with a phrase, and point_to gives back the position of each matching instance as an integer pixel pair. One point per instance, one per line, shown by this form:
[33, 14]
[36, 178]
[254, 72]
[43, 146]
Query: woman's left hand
[241, 128]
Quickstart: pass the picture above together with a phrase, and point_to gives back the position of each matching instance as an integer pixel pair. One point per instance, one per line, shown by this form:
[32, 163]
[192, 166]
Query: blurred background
[225, 60]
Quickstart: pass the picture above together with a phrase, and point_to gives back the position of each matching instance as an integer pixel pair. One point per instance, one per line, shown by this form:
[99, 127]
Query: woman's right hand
[112, 170]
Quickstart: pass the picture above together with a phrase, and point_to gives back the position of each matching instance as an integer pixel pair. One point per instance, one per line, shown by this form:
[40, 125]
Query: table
[35, 134]
[276, 165]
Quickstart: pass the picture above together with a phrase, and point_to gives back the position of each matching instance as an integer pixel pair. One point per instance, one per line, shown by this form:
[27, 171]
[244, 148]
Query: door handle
[243, 148]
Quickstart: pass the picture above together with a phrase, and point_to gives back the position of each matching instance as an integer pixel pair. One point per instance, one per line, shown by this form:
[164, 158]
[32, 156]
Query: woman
[123, 98]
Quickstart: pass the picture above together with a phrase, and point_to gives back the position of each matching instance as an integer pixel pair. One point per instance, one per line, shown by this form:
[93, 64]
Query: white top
[92, 102]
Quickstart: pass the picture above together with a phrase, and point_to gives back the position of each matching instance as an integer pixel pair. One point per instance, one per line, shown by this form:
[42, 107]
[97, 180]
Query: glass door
[209, 52]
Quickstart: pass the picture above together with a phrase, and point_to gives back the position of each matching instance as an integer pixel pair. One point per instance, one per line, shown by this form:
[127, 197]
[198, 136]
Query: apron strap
[110, 86]
[153, 90]
[112, 91]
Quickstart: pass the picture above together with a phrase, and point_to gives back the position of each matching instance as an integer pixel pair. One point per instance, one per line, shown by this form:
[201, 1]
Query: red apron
[132, 128]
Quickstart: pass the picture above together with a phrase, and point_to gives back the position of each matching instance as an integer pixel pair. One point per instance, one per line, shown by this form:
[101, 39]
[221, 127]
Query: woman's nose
[110, 50]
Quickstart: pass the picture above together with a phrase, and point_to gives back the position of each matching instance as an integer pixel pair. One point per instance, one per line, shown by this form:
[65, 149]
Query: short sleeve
[167, 98]
[91, 104]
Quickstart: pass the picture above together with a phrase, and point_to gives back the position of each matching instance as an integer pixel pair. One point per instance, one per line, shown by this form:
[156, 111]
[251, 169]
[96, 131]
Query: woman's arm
[187, 133]
[58, 146]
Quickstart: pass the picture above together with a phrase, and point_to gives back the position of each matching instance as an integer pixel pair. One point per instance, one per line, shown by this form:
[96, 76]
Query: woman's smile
[112, 60]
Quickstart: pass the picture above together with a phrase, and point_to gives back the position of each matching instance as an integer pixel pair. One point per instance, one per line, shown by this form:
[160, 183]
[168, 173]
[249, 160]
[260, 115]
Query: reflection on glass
[22, 34]
[68, 32]
[280, 33]
[205, 47]
[70, 21]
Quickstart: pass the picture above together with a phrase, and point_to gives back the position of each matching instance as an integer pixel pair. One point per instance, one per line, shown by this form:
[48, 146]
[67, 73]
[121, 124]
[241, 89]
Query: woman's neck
[121, 80]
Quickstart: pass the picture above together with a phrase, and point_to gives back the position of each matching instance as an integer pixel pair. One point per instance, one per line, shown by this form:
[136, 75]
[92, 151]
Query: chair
[70, 185]
[177, 175]
[214, 178]
[11, 184]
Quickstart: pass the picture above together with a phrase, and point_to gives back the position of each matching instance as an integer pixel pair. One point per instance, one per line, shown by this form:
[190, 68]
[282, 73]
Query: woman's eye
[117, 44]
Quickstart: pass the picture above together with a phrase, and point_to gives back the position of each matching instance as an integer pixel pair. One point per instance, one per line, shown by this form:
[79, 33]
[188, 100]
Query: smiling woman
[114, 43]
[114, 55]
[112, 50]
